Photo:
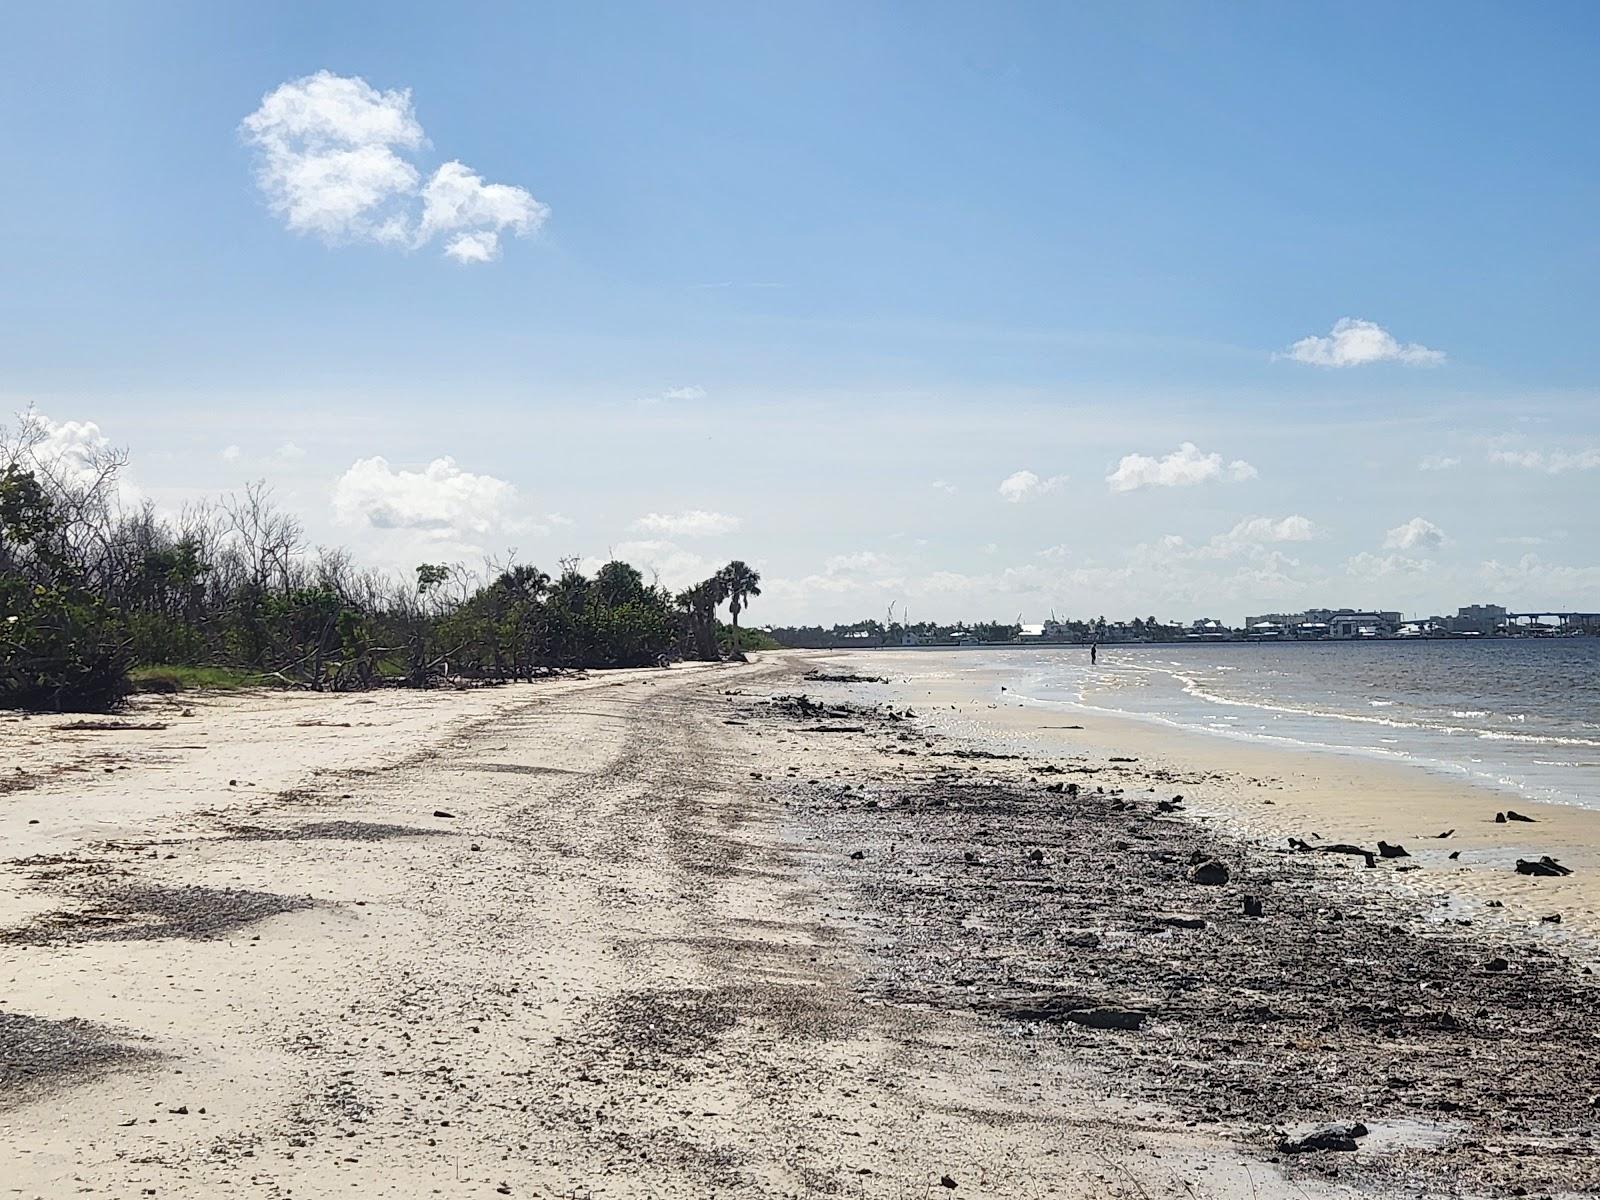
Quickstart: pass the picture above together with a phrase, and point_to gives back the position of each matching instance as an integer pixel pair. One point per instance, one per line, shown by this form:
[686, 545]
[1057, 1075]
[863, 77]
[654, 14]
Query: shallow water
[1523, 716]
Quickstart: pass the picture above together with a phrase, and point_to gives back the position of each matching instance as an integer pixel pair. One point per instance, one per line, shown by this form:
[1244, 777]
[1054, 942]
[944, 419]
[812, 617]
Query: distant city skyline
[1143, 307]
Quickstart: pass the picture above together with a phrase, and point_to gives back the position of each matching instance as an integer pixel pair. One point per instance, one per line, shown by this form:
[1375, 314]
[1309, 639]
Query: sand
[1275, 793]
[589, 937]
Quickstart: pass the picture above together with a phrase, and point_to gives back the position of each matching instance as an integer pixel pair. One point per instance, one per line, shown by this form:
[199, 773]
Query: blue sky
[809, 284]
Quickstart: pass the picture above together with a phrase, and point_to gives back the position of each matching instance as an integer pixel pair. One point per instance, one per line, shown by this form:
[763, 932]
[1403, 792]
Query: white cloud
[679, 394]
[289, 452]
[1438, 462]
[231, 454]
[1293, 528]
[556, 518]
[77, 453]
[330, 160]
[1376, 566]
[473, 247]
[1248, 538]
[1553, 462]
[441, 501]
[456, 203]
[72, 447]
[691, 523]
[327, 156]
[940, 485]
[1532, 581]
[1415, 534]
[1025, 485]
[1184, 467]
[1354, 343]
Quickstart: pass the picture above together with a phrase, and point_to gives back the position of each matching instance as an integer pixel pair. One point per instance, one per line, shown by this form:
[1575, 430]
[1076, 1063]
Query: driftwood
[113, 726]
[1543, 865]
[1337, 848]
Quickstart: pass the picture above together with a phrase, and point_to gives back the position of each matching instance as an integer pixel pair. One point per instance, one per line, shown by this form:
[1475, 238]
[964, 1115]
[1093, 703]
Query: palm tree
[699, 605]
[741, 582]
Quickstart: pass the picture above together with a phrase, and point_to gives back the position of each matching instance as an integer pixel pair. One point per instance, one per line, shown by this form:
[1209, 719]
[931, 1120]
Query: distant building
[1479, 619]
[1348, 624]
[1280, 620]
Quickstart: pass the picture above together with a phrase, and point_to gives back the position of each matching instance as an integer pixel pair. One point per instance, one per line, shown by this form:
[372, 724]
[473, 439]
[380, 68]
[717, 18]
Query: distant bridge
[1566, 618]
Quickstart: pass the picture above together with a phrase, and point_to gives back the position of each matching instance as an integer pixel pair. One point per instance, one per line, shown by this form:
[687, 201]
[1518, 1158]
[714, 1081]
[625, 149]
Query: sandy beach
[1273, 793]
[734, 930]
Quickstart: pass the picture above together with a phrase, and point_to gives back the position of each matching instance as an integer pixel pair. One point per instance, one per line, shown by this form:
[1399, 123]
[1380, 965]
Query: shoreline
[1275, 792]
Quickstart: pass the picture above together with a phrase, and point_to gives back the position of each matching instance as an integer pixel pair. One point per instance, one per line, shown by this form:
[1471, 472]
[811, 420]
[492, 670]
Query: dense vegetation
[90, 592]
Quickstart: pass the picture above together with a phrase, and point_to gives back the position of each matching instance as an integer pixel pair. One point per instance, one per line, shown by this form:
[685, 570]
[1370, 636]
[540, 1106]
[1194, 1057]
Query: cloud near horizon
[695, 522]
[77, 452]
[440, 502]
[1552, 462]
[1184, 467]
[1354, 343]
[330, 158]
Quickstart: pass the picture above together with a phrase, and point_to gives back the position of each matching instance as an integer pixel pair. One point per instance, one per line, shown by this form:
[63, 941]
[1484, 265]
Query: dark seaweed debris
[346, 831]
[1293, 991]
[142, 912]
[35, 1053]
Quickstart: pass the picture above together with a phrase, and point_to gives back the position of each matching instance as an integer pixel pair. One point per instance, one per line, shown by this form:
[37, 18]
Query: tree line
[91, 590]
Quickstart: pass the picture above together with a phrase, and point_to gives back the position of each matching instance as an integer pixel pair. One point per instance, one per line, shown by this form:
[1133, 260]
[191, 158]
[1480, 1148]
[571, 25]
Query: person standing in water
[1094, 652]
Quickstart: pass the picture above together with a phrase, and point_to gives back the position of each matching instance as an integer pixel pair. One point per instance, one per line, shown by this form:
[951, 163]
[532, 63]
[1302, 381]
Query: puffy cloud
[1438, 462]
[1415, 534]
[327, 156]
[1184, 467]
[1355, 343]
[471, 214]
[231, 454]
[1025, 485]
[78, 454]
[76, 448]
[442, 501]
[940, 485]
[691, 523]
[1553, 462]
[330, 158]
[473, 247]
[289, 452]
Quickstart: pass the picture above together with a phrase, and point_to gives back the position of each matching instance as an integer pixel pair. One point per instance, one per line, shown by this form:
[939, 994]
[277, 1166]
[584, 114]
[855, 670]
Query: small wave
[1381, 703]
[1466, 713]
[1533, 739]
